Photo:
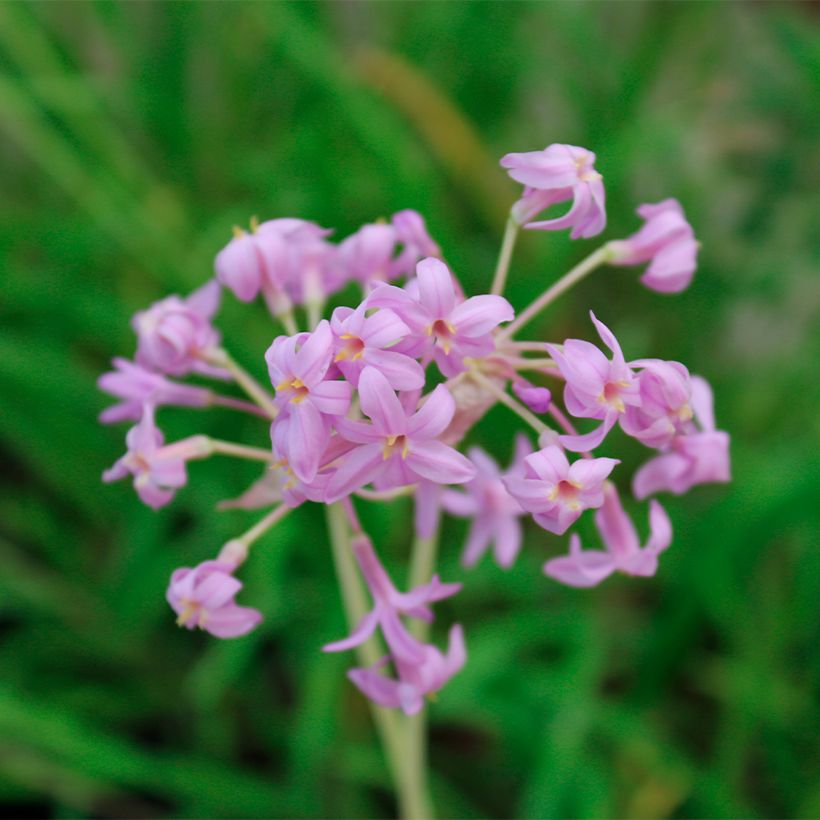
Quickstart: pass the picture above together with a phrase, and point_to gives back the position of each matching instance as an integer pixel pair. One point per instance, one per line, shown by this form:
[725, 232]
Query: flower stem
[219, 400]
[288, 322]
[506, 399]
[582, 269]
[235, 551]
[504, 256]
[221, 358]
[392, 730]
[228, 448]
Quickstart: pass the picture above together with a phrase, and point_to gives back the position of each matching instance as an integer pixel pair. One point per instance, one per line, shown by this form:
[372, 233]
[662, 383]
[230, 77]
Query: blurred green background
[133, 135]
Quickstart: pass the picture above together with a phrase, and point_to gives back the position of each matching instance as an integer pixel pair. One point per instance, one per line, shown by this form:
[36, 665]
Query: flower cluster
[374, 401]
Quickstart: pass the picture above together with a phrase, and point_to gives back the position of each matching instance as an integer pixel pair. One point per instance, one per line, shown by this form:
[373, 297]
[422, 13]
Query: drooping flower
[448, 330]
[494, 512]
[175, 335]
[360, 340]
[411, 232]
[422, 668]
[203, 597]
[559, 173]
[156, 477]
[538, 399]
[557, 492]
[298, 366]
[596, 387]
[667, 242]
[137, 386]
[700, 456]
[587, 568]
[397, 449]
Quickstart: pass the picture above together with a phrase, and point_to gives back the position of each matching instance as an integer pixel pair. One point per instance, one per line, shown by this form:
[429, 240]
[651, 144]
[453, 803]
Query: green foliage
[134, 135]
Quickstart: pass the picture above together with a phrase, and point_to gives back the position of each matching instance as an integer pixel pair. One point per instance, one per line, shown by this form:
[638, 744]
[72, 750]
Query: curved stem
[221, 358]
[228, 448]
[288, 322]
[504, 256]
[235, 551]
[219, 400]
[582, 269]
[507, 400]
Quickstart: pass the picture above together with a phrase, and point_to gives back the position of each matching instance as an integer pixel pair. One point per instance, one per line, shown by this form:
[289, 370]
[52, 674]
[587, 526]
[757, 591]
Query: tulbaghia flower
[156, 477]
[596, 388]
[203, 597]
[664, 409]
[494, 512]
[411, 232]
[421, 668]
[137, 386]
[557, 492]
[397, 449]
[538, 399]
[559, 173]
[667, 242]
[697, 457]
[361, 340]
[587, 568]
[175, 335]
[298, 366]
[367, 255]
[451, 331]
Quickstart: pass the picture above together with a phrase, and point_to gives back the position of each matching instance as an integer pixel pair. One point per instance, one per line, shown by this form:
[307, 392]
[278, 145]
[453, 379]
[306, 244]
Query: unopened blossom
[664, 409]
[439, 324]
[282, 258]
[411, 232]
[298, 366]
[596, 387]
[422, 668]
[175, 336]
[700, 456]
[396, 449]
[367, 255]
[203, 597]
[156, 476]
[494, 513]
[623, 553]
[360, 340]
[136, 386]
[538, 399]
[557, 174]
[667, 242]
[557, 492]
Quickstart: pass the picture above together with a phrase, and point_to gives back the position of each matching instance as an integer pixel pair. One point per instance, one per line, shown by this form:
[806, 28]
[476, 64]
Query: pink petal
[364, 629]
[232, 621]
[434, 416]
[380, 404]
[591, 440]
[437, 462]
[331, 397]
[481, 314]
[402, 372]
[437, 293]
[313, 358]
[617, 530]
[308, 438]
[660, 528]
[359, 467]
[591, 472]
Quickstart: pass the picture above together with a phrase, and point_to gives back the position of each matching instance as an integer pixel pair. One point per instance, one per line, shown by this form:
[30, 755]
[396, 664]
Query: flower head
[411, 232]
[557, 492]
[367, 255]
[203, 597]
[587, 568]
[667, 242]
[559, 173]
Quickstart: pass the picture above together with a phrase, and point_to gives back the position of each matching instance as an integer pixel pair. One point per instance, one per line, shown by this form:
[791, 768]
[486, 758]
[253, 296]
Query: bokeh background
[133, 135]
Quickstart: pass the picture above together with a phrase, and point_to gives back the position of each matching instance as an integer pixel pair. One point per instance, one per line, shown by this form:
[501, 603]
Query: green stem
[582, 269]
[507, 400]
[288, 321]
[235, 551]
[221, 358]
[504, 256]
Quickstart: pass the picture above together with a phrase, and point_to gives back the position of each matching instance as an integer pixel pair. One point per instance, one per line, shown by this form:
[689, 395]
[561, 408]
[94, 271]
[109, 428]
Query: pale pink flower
[203, 597]
[396, 448]
[439, 325]
[175, 335]
[494, 513]
[360, 340]
[367, 255]
[559, 173]
[557, 492]
[587, 568]
[137, 386]
[156, 477]
[700, 456]
[596, 387]
[667, 242]
[422, 669]
[411, 232]
[538, 399]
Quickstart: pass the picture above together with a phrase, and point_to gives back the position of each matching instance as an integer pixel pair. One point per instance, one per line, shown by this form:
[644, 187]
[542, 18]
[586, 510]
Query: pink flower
[450, 331]
[596, 387]
[557, 174]
[538, 399]
[298, 366]
[137, 386]
[557, 492]
[494, 512]
[367, 255]
[204, 597]
[361, 340]
[697, 457]
[284, 259]
[421, 668]
[667, 242]
[156, 478]
[411, 232]
[664, 409]
[587, 568]
[397, 449]
[175, 335]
